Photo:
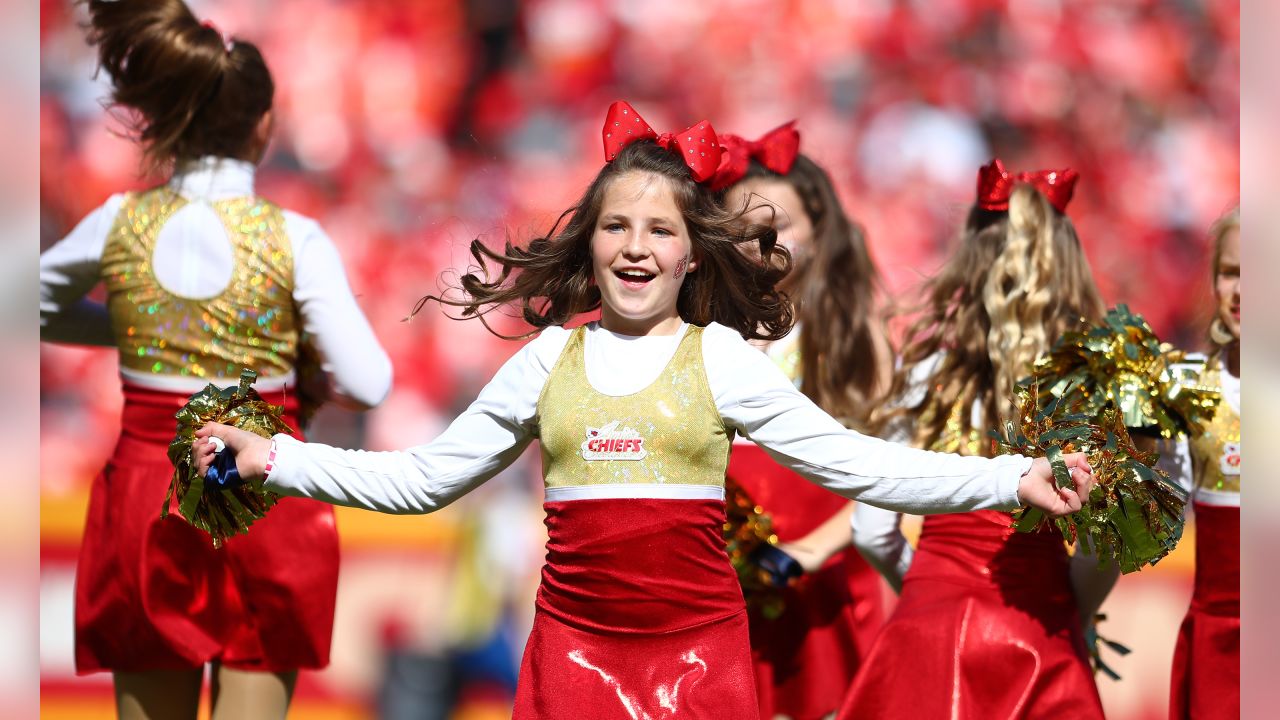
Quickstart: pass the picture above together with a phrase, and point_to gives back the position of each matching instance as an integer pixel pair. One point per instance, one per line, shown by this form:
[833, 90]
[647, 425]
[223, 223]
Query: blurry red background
[409, 128]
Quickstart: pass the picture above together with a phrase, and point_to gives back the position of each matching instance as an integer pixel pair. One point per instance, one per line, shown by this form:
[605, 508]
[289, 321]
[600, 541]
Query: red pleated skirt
[805, 659]
[639, 616]
[986, 629]
[154, 594]
[1206, 660]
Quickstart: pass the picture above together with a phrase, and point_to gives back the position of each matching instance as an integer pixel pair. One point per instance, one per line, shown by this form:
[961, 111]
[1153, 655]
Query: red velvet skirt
[805, 659]
[639, 616]
[1206, 660]
[986, 629]
[154, 594]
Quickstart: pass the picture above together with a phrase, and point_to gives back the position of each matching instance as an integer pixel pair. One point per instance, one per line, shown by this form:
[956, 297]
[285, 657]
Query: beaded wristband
[271, 461]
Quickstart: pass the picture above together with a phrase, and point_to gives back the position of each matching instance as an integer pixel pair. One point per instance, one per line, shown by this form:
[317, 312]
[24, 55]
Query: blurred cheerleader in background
[839, 356]
[203, 278]
[1206, 661]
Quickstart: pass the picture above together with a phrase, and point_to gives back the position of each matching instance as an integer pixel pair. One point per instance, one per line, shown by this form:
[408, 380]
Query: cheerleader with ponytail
[203, 279]
[990, 622]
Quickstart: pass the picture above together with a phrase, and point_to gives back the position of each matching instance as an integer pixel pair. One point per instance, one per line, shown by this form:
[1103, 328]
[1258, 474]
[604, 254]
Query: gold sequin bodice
[668, 433]
[252, 323]
[1215, 453]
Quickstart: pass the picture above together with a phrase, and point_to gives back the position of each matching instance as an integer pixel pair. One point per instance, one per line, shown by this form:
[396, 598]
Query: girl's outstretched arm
[486, 438]
[757, 400]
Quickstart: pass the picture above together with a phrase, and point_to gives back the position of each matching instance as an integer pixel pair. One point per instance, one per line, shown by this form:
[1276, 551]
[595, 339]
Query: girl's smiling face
[640, 254]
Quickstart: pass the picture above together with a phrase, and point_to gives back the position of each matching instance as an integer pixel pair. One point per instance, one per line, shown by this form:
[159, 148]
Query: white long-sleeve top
[877, 532]
[193, 258]
[754, 398]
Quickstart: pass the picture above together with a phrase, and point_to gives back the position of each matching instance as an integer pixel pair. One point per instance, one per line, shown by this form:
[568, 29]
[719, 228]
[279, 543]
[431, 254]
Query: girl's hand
[1039, 490]
[810, 558]
[250, 450]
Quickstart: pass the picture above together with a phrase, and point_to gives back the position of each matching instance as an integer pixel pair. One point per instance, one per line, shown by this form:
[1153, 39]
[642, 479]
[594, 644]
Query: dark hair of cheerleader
[193, 92]
[843, 349]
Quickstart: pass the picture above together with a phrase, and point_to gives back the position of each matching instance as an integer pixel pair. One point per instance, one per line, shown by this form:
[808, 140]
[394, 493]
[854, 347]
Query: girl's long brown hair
[1018, 280]
[551, 280]
[835, 301]
[193, 95]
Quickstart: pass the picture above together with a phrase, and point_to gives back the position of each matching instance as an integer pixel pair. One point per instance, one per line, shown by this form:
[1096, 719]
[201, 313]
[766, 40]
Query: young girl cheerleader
[1206, 660]
[838, 355]
[639, 613]
[988, 624]
[203, 278]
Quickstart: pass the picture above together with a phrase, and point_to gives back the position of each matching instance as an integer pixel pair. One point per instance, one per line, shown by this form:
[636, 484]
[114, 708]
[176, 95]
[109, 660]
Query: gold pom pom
[1133, 516]
[747, 526]
[228, 512]
[1120, 361]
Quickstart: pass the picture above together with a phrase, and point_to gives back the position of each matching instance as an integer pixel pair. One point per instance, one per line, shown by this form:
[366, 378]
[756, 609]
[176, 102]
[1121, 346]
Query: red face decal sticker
[680, 266]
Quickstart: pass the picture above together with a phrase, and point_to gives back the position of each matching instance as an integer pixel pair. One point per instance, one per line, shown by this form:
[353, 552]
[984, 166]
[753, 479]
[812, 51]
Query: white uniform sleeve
[1175, 459]
[68, 271]
[877, 534]
[349, 351]
[486, 438]
[1175, 453]
[757, 400]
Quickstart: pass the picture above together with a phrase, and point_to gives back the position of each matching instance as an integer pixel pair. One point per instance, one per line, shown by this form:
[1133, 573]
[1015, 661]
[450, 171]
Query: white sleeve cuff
[1009, 477]
[286, 449]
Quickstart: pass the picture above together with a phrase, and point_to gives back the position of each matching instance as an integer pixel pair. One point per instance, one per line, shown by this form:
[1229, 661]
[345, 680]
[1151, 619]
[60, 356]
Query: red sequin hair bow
[995, 185]
[696, 145]
[776, 150]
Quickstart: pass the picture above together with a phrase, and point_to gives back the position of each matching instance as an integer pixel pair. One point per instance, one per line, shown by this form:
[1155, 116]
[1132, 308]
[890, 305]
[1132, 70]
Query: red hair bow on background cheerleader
[697, 144]
[776, 150]
[995, 185]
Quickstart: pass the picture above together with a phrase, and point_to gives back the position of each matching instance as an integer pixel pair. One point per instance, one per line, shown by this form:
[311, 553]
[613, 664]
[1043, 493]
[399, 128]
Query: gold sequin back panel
[1215, 454]
[252, 323]
[954, 438]
[669, 433]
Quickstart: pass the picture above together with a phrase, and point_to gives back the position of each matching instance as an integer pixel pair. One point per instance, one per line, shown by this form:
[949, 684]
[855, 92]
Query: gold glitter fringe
[1095, 642]
[1093, 387]
[229, 512]
[1120, 361]
[747, 526]
[1134, 514]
